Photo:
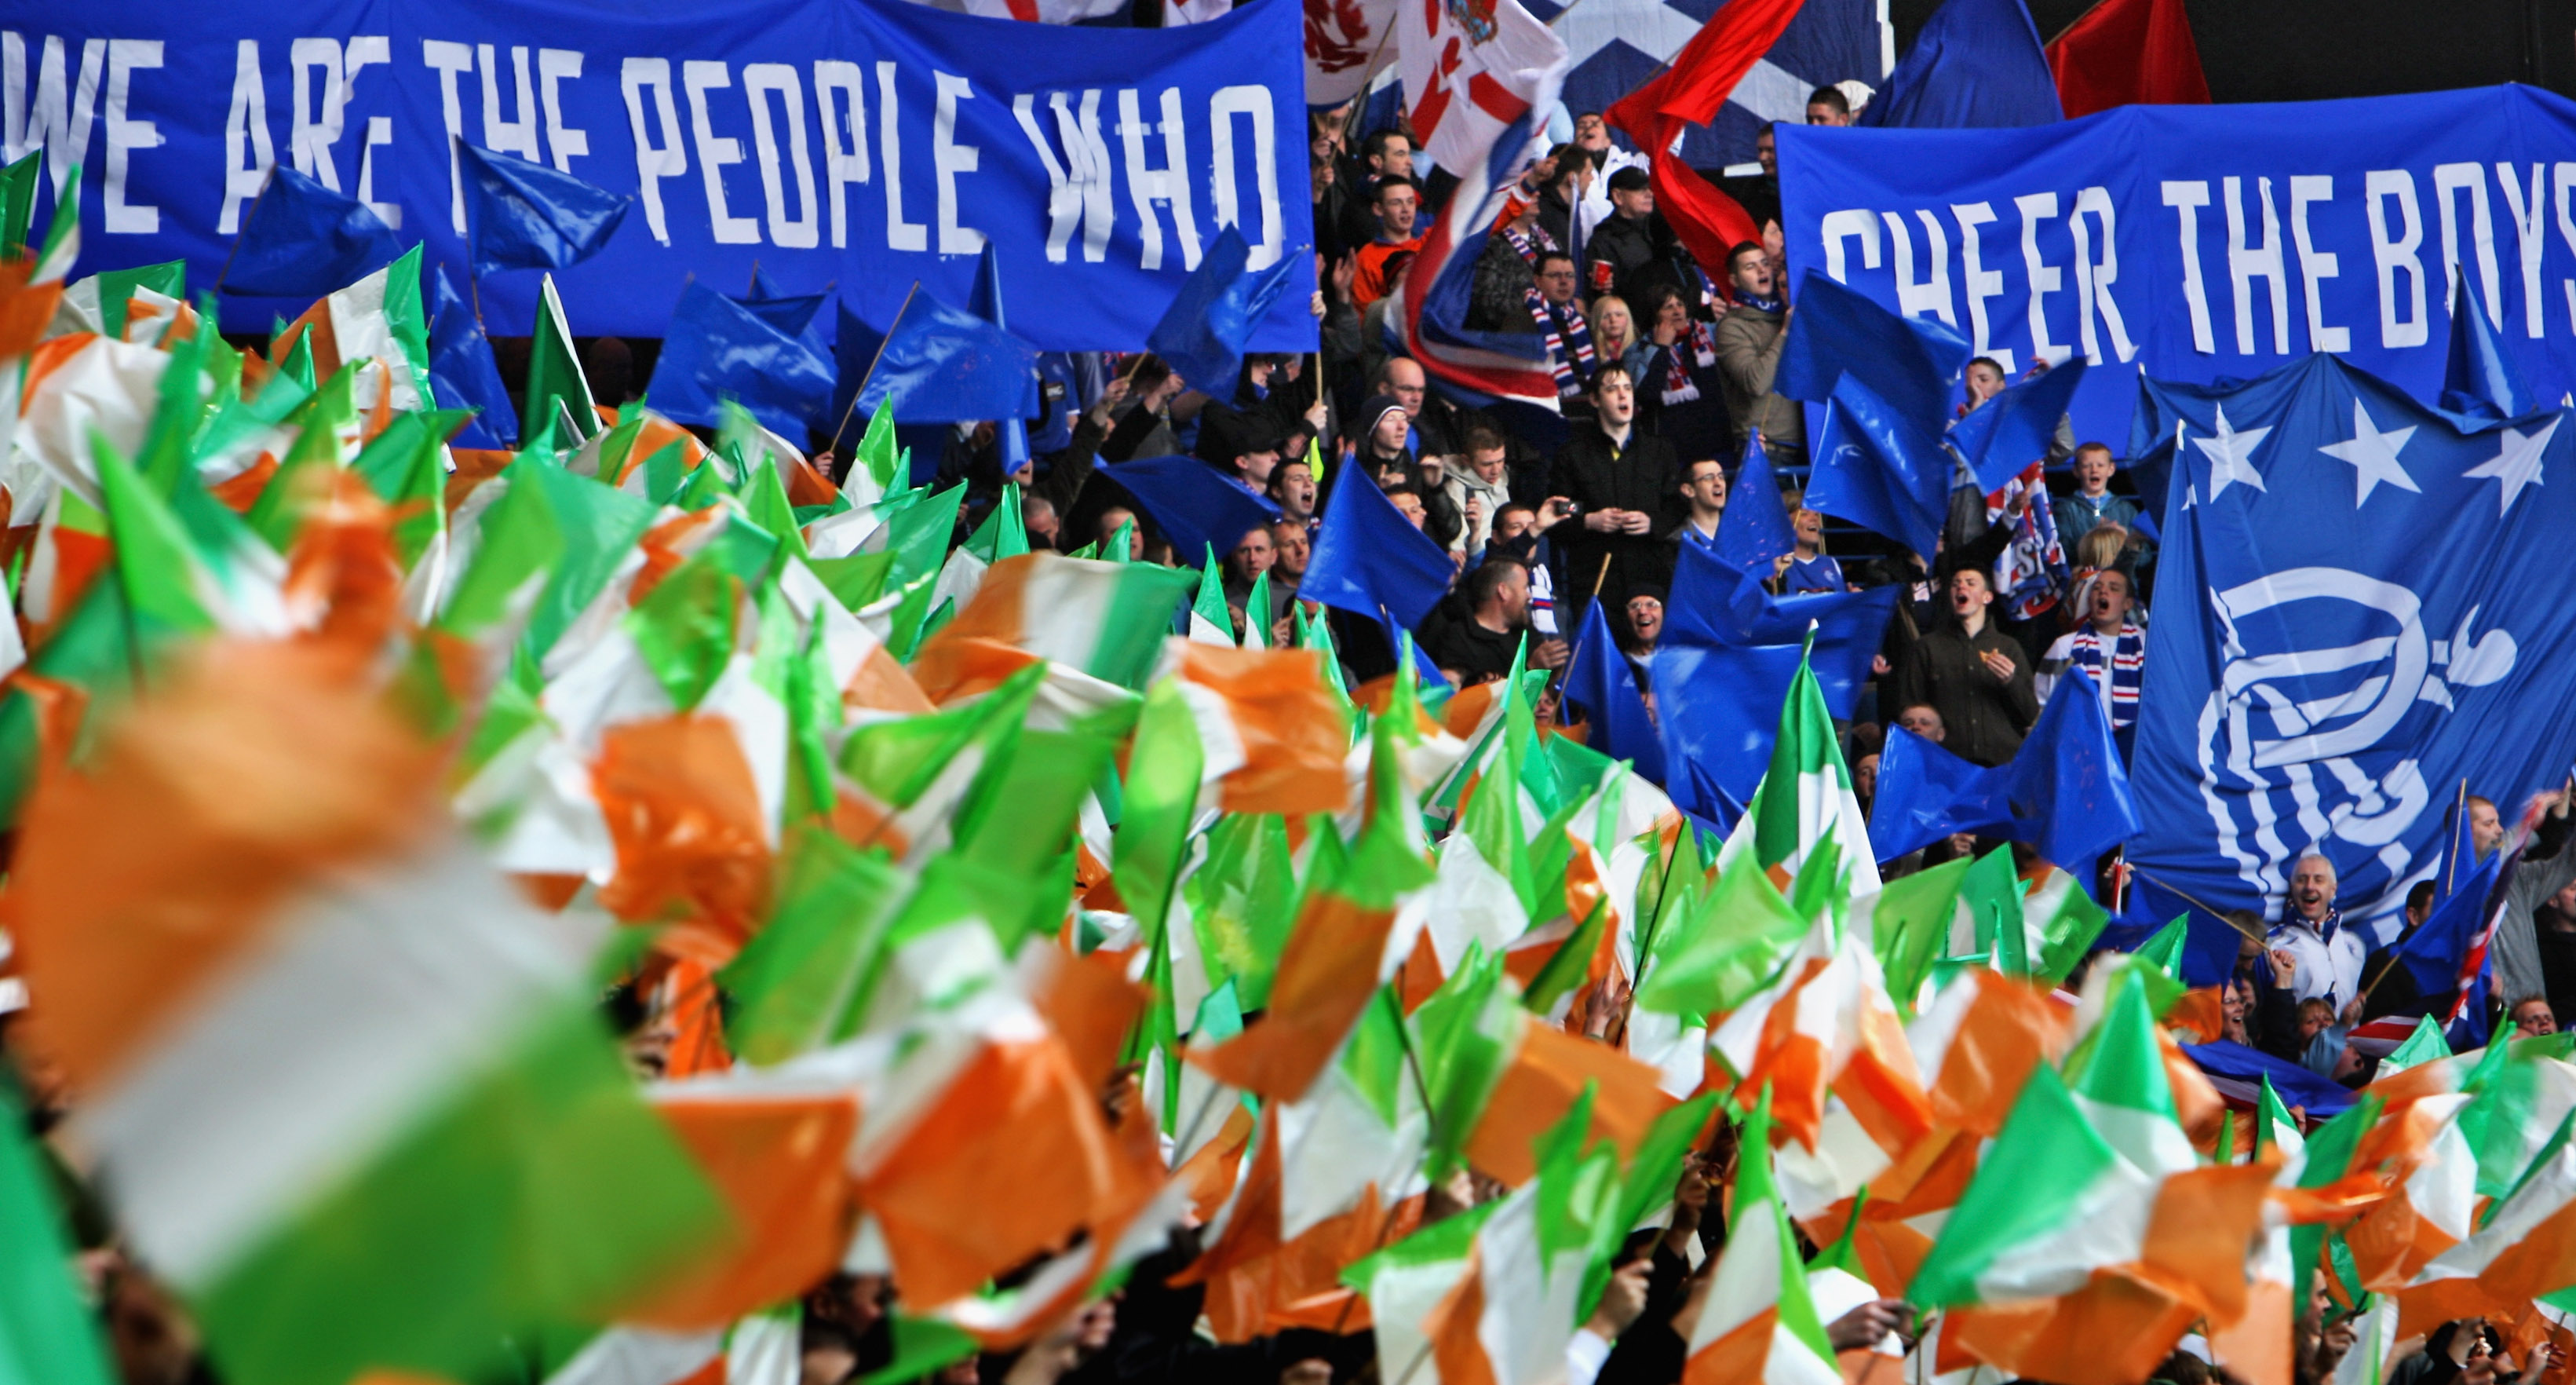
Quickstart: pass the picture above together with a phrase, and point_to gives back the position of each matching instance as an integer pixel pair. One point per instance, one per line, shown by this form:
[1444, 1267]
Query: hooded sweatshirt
[1460, 483]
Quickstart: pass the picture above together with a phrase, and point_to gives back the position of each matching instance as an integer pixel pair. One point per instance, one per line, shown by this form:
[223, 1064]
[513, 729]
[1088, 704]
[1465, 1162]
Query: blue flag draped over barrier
[1370, 560]
[1601, 683]
[867, 143]
[1196, 508]
[1724, 662]
[1873, 467]
[2345, 633]
[2107, 237]
[304, 240]
[719, 350]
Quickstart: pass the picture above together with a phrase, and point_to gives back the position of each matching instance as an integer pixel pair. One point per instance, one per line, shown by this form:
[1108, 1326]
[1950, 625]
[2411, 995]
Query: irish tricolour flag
[1804, 798]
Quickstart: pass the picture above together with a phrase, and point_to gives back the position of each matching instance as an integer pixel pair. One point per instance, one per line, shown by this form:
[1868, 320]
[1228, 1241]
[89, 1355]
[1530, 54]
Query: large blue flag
[1908, 361]
[1371, 561]
[941, 365]
[1728, 652]
[1976, 64]
[1600, 682]
[1202, 334]
[2014, 429]
[2350, 625]
[1926, 793]
[303, 240]
[720, 350]
[792, 313]
[1871, 466]
[1754, 530]
[523, 215]
[1196, 508]
[462, 371]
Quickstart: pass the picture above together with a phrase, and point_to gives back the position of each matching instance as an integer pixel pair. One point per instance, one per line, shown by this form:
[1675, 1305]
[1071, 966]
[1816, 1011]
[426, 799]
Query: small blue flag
[1600, 682]
[1726, 658]
[1197, 509]
[1203, 333]
[2065, 792]
[522, 215]
[941, 365]
[792, 313]
[2480, 387]
[1907, 361]
[2435, 955]
[2014, 429]
[1977, 64]
[987, 304]
[1755, 530]
[303, 241]
[1879, 471]
[462, 371]
[716, 349]
[1369, 558]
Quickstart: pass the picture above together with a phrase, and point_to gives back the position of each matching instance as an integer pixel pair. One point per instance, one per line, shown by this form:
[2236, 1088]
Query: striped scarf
[1530, 244]
[1701, 347]
[2126, 654]
[1569, 343]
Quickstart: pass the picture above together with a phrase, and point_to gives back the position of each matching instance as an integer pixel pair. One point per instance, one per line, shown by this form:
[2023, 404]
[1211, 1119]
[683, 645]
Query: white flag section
[1346, 45]
[1472, 68]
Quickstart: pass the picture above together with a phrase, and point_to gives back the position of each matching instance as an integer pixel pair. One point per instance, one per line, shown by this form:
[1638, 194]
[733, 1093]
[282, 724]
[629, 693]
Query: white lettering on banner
[508, 136]
[317, 124]
[1078, 185]
[900, 234]
[2562, 183]
[2315, 266]
[124, 57]
[2045, 278]
[1933, 294]
[948, 158]
[450, 61]
[1223, 107]
[845, 137]
[1978, 283]
[2528, 237]
[246, 133]
[362, 52]
[1168, 184]
[715, 152]
[2246, 263]
[2187, 196]
[556, 66]
[58, 120]
[2094, 277]
[2448, 180]
[2379, 187]
[1837, 227]
[380, 133]
[760, 81]
[655, 158]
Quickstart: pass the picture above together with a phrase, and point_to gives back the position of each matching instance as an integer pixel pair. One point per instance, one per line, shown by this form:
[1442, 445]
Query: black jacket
[1597, 474]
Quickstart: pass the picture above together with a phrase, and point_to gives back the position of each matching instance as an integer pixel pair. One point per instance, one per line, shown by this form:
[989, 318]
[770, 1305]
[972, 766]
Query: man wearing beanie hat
[1634, 253]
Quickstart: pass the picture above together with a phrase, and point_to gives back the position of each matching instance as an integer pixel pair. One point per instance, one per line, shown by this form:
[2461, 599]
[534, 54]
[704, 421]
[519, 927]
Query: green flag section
[1805, 797]
[2050, 1202]
[46, 1333]
[558, 393]
[2117, 1078]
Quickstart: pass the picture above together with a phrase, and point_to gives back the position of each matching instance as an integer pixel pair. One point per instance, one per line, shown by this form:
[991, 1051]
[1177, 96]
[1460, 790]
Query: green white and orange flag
[331, 1062]
[1759, 1323]
[1102, 621]
[1805, 798]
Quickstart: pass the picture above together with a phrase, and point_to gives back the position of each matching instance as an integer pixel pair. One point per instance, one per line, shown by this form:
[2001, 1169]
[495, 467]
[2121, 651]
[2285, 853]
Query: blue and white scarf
[2126, 655]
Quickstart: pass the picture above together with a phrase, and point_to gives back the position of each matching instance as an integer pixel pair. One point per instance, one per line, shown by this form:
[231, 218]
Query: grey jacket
[2517, 948]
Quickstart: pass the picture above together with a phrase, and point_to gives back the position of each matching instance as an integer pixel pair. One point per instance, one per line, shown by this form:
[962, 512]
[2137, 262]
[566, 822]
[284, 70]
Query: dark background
[2310, 50]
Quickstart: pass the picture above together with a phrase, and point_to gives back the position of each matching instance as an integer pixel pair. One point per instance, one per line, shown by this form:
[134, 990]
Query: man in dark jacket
[1973, 674]
[1633, 253]
[1623, 488]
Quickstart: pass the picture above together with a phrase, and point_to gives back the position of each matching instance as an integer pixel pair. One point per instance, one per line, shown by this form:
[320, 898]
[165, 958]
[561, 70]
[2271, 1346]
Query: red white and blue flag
[1478, 75]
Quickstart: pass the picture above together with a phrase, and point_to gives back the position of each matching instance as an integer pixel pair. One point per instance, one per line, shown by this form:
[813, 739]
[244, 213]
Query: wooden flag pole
[882, 342]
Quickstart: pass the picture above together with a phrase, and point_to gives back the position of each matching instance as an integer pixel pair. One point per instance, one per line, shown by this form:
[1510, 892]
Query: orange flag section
[1545, 1077]
[778, 1163]
[684, 812]
[1327, 973]
[1289, 725]
[257, 768]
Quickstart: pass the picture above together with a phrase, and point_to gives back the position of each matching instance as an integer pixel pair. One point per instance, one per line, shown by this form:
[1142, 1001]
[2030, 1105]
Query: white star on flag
[2231, 456]
[2373, 455]
[2515, 465]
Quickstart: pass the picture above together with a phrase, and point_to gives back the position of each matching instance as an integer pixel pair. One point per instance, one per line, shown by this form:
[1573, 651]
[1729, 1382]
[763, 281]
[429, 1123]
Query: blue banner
[2360, 616]
[2211, 242]
[857, 143]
